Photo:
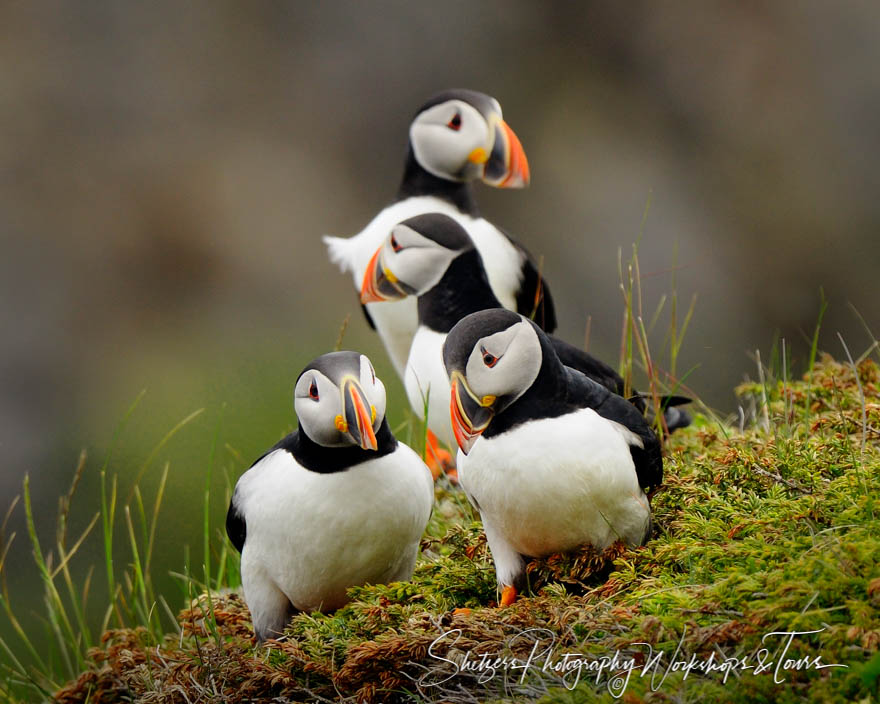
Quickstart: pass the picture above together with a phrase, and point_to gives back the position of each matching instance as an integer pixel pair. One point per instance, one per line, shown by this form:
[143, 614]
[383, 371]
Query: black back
[559, 390]
[596, 369]
[465, 289]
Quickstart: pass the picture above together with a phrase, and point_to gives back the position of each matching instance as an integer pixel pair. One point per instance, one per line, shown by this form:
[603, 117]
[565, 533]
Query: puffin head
[340, 401]
[413, 257]
[459, 135]
[492, 358]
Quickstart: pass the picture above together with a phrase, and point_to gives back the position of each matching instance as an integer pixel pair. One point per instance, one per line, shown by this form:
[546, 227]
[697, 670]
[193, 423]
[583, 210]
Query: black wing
[236, 528]
[648, 459]
[533, 299]
[585, 363]
[367, 316]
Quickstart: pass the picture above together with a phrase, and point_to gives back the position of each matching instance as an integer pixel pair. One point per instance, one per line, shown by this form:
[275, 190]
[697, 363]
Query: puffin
[456, 138]
[430, 257]
[551, 459]
[335, 504]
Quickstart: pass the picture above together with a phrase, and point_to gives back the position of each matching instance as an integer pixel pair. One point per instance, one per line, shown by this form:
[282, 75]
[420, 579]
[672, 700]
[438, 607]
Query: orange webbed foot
[438, 459]
[508, 595]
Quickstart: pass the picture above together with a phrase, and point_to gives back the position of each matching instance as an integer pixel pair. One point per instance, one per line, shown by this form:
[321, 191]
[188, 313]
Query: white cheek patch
[318, 418]
[518, 352]
[423, 267]
[443, 151]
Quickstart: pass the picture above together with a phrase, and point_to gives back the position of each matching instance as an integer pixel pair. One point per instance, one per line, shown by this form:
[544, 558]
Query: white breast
[425, 380]
[315, 535]
[554, 484]
[396, 321]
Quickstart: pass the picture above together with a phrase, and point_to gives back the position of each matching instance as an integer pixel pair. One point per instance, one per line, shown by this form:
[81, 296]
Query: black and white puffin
[457, 137]
[431, 257]
[551, 459]
[338, 503]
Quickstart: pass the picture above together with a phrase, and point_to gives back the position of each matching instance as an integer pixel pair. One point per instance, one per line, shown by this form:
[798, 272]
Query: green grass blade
[57, 612]
[814, 346]
[159, 446]
[160, 493]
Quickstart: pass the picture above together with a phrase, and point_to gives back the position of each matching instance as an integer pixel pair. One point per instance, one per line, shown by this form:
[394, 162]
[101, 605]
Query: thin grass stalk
[116, 601]
[626, 346]
[211, 619]
[142, 515]
[765, 411]
[21, 671]
[57, 612]
[875, 344]
[158, 448]
[138, 589]
[678, 336]
[659, 418]
[65, 556]
[657, 312]
[855, 372]
[343, 328]
[785, 394]
[63, 568]
[814, 346]
[108, 516]
[65, 501]
[160, 493]
[108, 507]
[539, 290]
[4, 542]
[172, 617]
[206, 515]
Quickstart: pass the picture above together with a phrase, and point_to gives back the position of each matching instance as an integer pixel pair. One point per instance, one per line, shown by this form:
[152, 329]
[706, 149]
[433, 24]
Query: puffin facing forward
[431, 257]
[338, 503]
[456, 138]
[550, 459]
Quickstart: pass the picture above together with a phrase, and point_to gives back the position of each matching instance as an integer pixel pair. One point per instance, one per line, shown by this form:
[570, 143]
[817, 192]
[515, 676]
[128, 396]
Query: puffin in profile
[431, 257]
[457, 137]
[338, 503]
[551, 459]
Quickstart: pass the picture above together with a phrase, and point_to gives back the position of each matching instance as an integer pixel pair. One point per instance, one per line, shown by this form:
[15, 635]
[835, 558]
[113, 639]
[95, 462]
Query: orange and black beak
[358, 415]
[380, 283]
[507, 166]
[470, 415]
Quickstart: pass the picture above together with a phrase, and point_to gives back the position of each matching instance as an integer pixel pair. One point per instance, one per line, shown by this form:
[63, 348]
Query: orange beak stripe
[517, 164]
[364, 421]
[462, 425]
[369, 291]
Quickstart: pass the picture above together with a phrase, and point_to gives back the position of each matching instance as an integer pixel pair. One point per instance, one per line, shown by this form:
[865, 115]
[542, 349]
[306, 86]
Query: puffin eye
[455, 122]
[313, 391]
[373, 373]
[489, 359]
[395, 245]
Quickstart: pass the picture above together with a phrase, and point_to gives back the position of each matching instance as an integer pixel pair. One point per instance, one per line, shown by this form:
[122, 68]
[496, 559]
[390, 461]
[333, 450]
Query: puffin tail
[674, 416]
[340, 250]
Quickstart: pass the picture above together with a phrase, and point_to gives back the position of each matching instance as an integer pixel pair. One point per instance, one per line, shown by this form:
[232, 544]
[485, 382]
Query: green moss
[763, 530]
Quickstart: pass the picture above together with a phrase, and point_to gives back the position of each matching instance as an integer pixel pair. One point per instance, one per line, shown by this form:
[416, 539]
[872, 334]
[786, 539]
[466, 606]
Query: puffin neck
[464, 289]
[547, 397]
[419, 182]
[326, 460]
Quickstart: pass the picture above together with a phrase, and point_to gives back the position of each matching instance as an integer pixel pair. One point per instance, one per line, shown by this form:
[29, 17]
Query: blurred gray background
[167, 169]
